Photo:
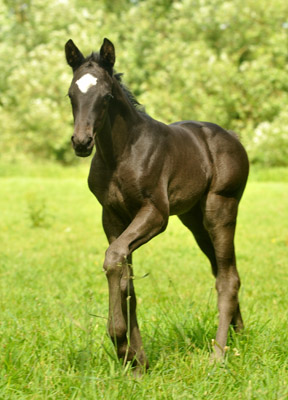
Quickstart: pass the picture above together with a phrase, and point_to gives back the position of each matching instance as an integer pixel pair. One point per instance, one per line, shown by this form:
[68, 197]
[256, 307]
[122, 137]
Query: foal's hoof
[140, 368]
[138, 365]
[138, 371]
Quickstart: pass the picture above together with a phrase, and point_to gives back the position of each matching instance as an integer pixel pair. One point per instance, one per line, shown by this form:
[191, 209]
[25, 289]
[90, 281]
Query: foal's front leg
[148, 222]
[132, 347]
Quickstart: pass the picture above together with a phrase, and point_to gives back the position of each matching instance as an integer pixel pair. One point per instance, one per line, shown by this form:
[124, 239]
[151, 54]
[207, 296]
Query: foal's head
[89, 92]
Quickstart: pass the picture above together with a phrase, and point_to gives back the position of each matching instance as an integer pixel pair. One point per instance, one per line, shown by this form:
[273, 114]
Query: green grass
[54, 298]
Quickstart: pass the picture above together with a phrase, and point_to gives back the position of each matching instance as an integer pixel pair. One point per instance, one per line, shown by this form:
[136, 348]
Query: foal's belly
[186, 190]
[183, 206]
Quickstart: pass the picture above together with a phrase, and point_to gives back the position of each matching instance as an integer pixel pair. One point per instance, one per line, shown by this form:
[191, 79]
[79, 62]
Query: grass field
[54, 298]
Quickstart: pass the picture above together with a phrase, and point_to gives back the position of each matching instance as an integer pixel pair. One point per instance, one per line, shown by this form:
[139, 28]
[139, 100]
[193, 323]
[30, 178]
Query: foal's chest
[114, 195]
[123, 194]
[114, 189]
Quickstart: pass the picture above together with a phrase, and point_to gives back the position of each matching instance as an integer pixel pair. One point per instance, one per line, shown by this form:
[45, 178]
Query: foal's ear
[107, 53]
[74, 56]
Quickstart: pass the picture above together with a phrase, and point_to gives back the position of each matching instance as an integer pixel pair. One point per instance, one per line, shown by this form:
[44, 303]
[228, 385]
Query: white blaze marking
[86, 82]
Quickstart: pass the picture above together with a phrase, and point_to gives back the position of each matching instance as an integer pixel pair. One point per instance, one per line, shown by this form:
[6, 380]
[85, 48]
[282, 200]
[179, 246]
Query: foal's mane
[118, 76]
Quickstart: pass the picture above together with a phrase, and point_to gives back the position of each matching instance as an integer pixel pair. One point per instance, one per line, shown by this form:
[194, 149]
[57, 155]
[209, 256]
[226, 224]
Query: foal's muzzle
[83, 147]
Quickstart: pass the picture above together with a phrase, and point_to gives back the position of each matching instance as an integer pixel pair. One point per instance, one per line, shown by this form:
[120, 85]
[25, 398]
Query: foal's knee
[114, 259]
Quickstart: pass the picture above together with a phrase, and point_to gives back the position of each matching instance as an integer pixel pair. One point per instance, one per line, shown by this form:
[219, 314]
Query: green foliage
[37, 211]
[54, 300]
[221, 61]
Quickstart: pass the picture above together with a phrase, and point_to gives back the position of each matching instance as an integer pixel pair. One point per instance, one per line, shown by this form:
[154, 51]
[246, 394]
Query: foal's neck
[119, 129]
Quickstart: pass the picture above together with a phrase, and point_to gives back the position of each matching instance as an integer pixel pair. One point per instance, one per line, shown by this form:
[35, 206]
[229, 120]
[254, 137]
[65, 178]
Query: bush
[219, 61]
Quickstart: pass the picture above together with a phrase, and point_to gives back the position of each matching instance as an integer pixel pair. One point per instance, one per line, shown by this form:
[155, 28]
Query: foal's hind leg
[220, 215]
[193, 220]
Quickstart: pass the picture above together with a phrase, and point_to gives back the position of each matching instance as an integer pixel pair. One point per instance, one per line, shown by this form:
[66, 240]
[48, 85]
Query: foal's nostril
[82, 144]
